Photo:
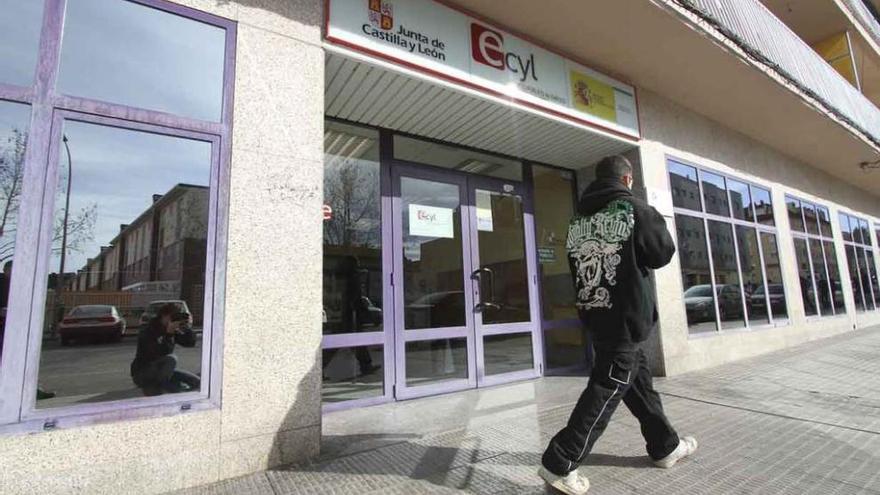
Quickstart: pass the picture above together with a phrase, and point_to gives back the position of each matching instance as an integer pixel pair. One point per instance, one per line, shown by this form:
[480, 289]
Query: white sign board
[484, 211]
[430, 221]
[448, 43]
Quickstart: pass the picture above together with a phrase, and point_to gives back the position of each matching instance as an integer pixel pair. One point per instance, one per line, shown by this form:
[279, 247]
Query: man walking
[613, 243]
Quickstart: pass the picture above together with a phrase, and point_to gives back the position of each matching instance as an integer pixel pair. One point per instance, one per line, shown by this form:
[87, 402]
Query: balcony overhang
[654, 47]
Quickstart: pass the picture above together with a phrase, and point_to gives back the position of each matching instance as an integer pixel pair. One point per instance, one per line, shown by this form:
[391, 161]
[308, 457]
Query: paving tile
[801, 421]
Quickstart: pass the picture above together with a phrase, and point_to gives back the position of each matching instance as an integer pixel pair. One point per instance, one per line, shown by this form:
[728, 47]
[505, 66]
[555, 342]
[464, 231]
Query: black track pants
[617, 375]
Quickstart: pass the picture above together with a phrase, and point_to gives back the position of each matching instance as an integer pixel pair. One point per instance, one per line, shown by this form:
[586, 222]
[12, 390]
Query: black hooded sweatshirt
[613, 243]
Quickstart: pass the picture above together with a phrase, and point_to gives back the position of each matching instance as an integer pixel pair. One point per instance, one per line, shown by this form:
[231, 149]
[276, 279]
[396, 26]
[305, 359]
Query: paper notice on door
[431, 221]
[484, 211]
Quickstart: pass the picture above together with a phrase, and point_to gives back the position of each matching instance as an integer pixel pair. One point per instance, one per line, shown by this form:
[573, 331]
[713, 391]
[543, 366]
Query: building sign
[431, 36]
[430, 221]
[546, 254]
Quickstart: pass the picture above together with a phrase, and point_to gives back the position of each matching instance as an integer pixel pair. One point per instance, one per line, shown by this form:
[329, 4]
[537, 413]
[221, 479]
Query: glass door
[504, 282]
[463, 282]
[432, 265]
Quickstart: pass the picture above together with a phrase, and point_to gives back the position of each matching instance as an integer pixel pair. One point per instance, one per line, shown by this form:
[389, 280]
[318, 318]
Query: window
[353, 289]
[860, 262]
[727, 250]
[20, 27]
[554, 200]
[821, 288]
[122, 198]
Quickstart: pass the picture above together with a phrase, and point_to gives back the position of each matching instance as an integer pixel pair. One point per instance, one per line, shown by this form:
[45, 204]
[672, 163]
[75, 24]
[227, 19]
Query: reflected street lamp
[59, 284]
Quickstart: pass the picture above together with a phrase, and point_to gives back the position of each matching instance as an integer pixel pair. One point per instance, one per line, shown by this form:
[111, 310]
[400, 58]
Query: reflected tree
[80, 227]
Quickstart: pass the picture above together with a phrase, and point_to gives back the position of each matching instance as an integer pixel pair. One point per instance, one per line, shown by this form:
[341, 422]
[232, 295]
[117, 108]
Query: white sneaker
[686, 447]
[571, 484]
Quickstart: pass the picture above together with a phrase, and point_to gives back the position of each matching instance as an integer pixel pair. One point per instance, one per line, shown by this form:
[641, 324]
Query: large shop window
[353, 363]
[860, 261]
[564, 335]
[111, 207]
[727, 246]
[816, 256]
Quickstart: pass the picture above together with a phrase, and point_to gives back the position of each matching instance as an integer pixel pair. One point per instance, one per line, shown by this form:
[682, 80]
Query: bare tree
[352, 191]
[80, 226]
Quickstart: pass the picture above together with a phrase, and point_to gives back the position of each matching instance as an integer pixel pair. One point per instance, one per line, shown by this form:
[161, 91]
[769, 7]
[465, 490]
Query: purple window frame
[20, 367]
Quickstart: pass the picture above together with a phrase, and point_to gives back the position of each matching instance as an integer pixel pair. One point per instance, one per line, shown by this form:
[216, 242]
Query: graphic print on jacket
[594, 243]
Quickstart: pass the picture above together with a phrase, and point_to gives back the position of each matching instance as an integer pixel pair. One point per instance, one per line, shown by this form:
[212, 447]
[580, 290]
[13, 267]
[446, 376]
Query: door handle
[478, 274]
[486, 305]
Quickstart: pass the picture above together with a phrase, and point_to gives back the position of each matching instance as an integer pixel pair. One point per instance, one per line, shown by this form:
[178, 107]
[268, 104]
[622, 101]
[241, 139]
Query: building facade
[367, 201]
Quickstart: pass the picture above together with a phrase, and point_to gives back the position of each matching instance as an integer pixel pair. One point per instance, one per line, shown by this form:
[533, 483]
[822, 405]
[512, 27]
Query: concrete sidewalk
[801, 421]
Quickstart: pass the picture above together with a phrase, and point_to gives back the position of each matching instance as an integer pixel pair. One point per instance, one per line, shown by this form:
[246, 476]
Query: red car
[96, 321]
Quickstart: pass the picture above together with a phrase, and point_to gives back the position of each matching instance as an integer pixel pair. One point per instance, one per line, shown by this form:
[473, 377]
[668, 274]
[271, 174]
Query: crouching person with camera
[154, 368]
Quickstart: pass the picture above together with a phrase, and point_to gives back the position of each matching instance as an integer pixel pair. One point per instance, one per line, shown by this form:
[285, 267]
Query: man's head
[615, 167]
[166, 313]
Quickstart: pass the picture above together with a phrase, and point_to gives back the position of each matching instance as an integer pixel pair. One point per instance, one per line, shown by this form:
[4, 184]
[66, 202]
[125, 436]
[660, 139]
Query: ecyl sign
[487, 47]
[428, 35]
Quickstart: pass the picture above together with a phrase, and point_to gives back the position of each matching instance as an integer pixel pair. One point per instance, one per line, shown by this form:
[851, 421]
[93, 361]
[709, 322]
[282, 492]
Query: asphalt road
[97, 372]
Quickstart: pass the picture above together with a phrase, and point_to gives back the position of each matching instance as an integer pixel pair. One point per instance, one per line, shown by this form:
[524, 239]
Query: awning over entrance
[378, 93]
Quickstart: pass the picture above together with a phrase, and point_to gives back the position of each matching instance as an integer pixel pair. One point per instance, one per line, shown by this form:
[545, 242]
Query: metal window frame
[759, 228]
[20, 369]
[868, 296]
[822, 238]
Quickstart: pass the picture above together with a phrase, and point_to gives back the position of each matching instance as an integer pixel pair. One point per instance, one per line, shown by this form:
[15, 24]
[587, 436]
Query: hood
[600, 193]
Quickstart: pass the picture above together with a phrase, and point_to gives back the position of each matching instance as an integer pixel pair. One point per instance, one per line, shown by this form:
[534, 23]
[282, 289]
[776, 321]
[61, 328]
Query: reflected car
[94, 321]
[436, 310]
[777, 299]
[700, 306]
[183, 314]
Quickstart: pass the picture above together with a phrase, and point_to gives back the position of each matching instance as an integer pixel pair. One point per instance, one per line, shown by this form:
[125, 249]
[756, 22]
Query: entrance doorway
[464, 282]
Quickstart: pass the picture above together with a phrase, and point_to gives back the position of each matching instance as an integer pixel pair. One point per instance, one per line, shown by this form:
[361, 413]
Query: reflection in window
[507, 353]
[695, 275]
[353, 231]
[684, 185]
[504, 280]
[743, 252]
[763, 206]
[753, 277]
[775, 289]
[433, 264]
[554, 207]
[715, 194]
[127, 280]
[808, 291]
[432, 361]
[741, 200]
[125, 53]
[14, 119]
[20, 25]
[352, 373]
[728, 293]
[566, 348]
[795, 214]
[816, 258]
[861, 262]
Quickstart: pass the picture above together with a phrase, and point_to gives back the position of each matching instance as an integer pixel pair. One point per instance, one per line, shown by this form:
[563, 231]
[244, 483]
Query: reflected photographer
[154, 368]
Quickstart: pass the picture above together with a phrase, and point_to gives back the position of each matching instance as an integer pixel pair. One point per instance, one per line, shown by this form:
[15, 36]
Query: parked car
[94, 321]
[777, 299]
[183, 314]
[700, 307]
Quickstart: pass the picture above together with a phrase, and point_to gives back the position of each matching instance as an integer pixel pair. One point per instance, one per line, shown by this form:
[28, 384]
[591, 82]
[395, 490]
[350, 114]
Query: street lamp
[59, 284]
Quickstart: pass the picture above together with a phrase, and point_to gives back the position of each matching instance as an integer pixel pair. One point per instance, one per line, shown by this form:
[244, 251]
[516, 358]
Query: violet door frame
[533, 325]
[400, 169]
[385, 338]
